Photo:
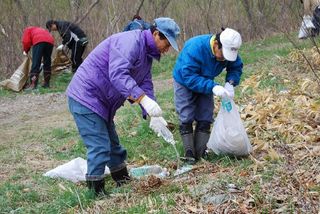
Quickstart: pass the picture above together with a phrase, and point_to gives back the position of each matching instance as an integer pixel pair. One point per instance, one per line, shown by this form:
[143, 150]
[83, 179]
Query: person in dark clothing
[42, 43]
[137, 23]
[73, 37]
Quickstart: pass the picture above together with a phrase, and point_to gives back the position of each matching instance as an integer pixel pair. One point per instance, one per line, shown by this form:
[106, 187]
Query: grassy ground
[28, 149]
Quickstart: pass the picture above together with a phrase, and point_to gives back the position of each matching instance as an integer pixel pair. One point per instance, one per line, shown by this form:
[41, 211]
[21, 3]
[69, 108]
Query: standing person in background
[202, 59]
[42, 43]
[137, 23]
[311, 8]
[73, 37]
[118, 69]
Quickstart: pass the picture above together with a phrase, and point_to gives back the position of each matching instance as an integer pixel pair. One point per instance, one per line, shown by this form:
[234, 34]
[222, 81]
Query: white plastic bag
[229, 136]
[306, 25]
[75, 170]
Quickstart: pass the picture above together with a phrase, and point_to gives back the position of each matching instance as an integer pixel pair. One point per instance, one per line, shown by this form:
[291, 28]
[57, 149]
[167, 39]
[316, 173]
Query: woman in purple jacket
[118, 69]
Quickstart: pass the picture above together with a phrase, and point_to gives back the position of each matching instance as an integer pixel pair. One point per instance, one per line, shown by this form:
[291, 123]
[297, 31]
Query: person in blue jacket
[202, 59]
[137, 23]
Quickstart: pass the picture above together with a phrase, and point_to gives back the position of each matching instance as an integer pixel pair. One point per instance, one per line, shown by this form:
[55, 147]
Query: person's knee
[203, 126]
[186, 128]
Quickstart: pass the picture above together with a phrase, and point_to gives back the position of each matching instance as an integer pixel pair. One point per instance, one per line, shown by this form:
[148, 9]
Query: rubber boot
[186, 132]
[46, 77]
[189, 151]
[33, 82]
[201, 138]
[121, 176]
[97, 187]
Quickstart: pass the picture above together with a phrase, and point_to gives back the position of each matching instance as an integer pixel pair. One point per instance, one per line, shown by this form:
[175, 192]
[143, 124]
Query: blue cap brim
[173, 43]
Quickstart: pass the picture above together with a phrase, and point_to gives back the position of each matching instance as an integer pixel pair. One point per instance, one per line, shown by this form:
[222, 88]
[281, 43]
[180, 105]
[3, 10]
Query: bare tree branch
[87, 12]
[139, 8]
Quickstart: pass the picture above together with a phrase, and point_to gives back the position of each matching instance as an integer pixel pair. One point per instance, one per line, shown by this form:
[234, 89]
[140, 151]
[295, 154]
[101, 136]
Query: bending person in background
[42, 43]
[137, 23]
[202, 59]
[118, 69]
[73, 37]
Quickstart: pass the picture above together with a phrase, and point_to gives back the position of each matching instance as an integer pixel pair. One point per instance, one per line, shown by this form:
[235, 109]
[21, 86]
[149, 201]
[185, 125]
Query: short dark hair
[49, 23]
[218, 38]
[153, 28]
[136, 17]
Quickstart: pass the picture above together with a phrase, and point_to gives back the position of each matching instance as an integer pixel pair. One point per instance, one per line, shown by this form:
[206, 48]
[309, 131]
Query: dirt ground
[24, 115]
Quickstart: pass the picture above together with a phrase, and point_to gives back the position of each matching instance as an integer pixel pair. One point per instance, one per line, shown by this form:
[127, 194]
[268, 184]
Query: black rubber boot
[33, 82]
[201, 140]
[186, 132]
[46, 77]
[97, 187]
[201, 137]
[121, 176]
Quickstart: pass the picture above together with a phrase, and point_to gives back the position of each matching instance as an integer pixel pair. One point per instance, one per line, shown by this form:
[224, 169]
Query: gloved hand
[60, 47]
[151, 107]
[230, 89]
[156, 123]
[220, 91]
[159, 126]
[25, 53]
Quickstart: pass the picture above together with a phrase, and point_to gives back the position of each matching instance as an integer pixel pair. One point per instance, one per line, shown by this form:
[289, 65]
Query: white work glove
[230, 89]
[159, 126]
[156, 123]
[220, 91]
[151, 107]
[25, 53]
[60, 47]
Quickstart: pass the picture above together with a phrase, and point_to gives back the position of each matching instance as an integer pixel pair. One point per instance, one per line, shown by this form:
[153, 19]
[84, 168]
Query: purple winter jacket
[119, 67]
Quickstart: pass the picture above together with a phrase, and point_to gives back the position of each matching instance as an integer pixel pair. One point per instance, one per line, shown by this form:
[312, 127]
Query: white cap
[231, 42]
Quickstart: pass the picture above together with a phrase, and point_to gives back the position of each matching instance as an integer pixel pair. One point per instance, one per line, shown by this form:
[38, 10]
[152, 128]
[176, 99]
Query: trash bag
[306, 27]
[19, 77]
[229, 136]
[60, 62]
[74, 170]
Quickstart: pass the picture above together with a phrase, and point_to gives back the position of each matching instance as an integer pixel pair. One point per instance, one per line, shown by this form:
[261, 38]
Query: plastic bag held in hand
[151, 107]
[60, 47]
[159, 126]
[24, 53]
[229, 137]
[220, 91]
[230, 89]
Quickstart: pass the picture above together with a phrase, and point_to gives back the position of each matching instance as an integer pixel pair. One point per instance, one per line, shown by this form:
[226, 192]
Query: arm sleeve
[147, 87]
[234, 71]
[120, 58]
[26, 40]
[190, 72]
[64, 30]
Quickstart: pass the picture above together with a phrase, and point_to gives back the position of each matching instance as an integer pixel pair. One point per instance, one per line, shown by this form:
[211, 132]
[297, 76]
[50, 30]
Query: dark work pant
[76, 55]
[39, 51]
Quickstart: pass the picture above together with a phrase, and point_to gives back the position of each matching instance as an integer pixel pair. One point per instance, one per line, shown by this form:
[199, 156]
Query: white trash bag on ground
[75, 170]
[229, 136]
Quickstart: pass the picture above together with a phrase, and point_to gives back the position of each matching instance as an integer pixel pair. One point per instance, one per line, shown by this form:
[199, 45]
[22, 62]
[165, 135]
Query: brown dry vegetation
[283, 175]
[253, 19]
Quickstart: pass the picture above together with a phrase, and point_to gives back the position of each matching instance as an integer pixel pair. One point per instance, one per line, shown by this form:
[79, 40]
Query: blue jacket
[196, 66]
[137, 24]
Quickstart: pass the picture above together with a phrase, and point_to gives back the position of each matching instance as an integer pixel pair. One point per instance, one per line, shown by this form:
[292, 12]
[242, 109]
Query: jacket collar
[152, 49]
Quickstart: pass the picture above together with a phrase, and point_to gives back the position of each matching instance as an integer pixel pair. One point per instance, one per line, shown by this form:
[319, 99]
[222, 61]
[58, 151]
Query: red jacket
[34, 35]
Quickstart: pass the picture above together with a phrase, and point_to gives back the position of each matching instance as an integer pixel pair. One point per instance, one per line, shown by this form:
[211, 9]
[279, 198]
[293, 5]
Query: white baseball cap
[231, 42]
